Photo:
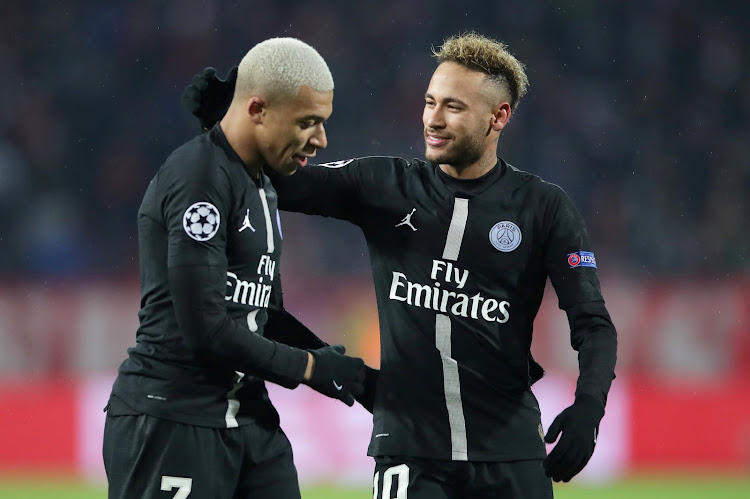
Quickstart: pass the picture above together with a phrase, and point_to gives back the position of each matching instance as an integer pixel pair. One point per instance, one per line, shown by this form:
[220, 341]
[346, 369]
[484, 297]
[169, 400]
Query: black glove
[536, 372]
[579, 424]
[337, 375]
[208, 97]
[367, 397]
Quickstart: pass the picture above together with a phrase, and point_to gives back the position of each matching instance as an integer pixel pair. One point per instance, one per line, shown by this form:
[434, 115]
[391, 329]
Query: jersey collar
[216, 134]
[503, 176]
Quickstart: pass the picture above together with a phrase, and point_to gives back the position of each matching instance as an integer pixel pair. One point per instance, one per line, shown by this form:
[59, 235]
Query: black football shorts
[151, 458]
[415, 478]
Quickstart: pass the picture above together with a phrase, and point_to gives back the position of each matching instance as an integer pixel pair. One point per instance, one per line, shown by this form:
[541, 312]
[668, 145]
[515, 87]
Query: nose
[433, 117]
[319, 139]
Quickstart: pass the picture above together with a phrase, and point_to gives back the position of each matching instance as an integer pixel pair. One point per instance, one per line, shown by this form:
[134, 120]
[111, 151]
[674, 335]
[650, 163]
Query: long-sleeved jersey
[210, 242]
[459, 268]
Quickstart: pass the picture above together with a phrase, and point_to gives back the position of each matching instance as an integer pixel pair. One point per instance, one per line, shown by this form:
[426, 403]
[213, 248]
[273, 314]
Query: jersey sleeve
[283, 326]
[339, 190]
[593, 335]
[571, 265]
[568, 257]
[195, 203]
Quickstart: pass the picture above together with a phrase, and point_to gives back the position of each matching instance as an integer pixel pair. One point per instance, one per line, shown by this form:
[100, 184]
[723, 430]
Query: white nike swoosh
[337, 386]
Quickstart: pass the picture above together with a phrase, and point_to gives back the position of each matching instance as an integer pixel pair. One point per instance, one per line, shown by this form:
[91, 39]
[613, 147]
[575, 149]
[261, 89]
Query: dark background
[638, 109]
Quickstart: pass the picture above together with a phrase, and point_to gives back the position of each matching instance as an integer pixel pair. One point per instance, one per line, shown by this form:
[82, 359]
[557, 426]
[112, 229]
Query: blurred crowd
[640, 110]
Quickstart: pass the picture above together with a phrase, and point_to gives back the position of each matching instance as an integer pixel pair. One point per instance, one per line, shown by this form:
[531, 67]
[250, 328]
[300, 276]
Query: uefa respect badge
[581, 259]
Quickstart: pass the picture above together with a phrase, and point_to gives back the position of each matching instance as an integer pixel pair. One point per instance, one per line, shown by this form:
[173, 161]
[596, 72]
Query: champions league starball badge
[201, 221]
[505, 236]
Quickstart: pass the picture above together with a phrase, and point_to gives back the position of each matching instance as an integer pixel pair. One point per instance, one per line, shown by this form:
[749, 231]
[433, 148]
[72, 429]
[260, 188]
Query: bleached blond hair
[278, 67]
[491, 57]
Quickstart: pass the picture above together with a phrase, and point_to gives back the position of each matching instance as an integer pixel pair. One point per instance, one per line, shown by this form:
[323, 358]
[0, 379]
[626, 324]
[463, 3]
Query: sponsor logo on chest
[255, 293]
[457, 303]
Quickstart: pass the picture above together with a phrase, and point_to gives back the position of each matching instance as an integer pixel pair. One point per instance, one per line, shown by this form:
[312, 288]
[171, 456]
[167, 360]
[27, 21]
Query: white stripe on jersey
[267, 214]
[456, 230]
[452, 387]
[451, 382]
[233, 405]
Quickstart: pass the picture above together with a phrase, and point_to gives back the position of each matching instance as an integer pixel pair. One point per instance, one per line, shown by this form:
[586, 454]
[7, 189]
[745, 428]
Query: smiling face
[292, 129]
[460, 116]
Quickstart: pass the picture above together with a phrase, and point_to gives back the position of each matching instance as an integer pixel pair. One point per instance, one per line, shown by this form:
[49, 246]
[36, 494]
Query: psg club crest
[505, 236]
[201, 221]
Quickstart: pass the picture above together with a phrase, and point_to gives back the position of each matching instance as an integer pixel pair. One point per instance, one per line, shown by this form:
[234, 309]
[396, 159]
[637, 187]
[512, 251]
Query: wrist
[591, 405]
[588, 400]
[310, 366]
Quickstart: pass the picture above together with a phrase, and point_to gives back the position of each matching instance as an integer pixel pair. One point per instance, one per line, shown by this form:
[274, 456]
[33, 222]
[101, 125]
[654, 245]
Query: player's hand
[536, 371]
[208, 97]
[579, 425]
[367, 397]
[336, 375]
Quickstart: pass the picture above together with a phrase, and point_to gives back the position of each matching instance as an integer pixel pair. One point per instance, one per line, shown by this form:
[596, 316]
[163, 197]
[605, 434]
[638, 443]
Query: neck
[242, 141]
[474, 170]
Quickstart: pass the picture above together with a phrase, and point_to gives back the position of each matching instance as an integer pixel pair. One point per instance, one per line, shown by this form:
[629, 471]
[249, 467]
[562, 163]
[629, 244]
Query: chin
[434, 157]
[429, 155]
[283, 169]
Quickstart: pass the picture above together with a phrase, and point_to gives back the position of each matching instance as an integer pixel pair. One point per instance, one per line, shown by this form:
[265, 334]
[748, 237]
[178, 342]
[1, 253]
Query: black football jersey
[210, 243]
[459, 269]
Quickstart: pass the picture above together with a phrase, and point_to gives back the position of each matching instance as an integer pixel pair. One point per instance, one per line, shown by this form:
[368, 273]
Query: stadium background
[638, 109]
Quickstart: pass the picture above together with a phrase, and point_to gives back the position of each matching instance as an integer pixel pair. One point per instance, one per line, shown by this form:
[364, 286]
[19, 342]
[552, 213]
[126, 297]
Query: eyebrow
[447, 100]
[313, 117]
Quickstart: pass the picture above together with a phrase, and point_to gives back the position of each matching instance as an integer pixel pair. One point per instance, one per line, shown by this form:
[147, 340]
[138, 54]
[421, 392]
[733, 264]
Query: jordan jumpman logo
[246, 224]
[407, 220]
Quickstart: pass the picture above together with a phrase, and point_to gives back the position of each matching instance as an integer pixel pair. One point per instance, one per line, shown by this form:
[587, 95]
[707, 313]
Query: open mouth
[435, 141]
[301, 160]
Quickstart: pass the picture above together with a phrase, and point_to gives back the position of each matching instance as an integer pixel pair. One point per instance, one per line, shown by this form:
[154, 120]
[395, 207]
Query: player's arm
[283, 327]
[571, 266]
[338, 190]
[333, 192]
[197, 270]
[593, 336]
[208, 330]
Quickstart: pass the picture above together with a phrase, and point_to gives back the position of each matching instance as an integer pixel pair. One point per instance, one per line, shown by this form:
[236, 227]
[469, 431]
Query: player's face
[293, 129]
[456, 116]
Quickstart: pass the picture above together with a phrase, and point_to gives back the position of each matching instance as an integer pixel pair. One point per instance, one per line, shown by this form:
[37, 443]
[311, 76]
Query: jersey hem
[473, 456]
[187, 418]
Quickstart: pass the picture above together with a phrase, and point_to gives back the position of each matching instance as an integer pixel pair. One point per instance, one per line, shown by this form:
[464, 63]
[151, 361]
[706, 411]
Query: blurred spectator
[640, 112]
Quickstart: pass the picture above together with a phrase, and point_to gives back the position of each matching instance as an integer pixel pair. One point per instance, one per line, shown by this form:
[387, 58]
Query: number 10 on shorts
[402, 479]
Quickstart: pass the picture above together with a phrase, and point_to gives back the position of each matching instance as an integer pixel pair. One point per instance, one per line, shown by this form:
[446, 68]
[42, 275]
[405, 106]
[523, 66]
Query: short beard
[461, 154]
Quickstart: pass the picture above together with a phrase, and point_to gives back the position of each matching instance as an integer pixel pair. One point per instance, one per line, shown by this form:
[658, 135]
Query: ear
[256, 109]
[500, 116]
